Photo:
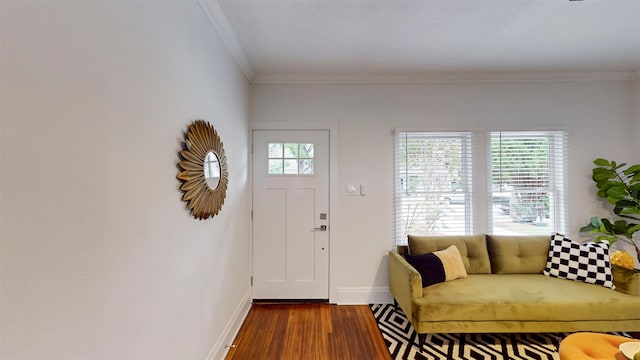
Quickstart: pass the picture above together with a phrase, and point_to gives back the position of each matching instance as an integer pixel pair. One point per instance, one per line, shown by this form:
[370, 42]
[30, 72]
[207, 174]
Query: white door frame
[332, 127]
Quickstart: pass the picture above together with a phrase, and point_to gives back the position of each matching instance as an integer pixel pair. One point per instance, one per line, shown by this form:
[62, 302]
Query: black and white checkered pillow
[588, 262]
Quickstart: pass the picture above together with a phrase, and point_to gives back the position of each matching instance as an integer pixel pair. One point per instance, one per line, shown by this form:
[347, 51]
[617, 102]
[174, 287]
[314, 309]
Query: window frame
[556, 188]
[401, 187]
[480, 192]
[297, 158]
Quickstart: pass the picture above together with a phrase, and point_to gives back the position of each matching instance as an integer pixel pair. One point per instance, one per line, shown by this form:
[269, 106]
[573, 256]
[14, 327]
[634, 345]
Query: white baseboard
[219, 350]
[362, 295]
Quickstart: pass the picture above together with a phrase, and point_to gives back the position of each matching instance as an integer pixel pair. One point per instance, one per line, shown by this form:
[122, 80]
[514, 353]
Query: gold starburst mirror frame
[204, 172]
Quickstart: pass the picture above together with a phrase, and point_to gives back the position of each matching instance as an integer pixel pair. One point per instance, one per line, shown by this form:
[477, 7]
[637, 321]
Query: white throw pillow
[587, 262]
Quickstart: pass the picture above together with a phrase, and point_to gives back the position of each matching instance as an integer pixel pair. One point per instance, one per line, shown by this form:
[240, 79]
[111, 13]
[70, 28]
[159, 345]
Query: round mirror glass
[212, 170]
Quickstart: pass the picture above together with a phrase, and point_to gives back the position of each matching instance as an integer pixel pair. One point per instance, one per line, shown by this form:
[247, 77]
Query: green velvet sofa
[505, 291]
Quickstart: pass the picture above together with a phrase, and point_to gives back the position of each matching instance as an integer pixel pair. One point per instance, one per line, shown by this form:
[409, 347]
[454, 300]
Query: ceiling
[404, 39]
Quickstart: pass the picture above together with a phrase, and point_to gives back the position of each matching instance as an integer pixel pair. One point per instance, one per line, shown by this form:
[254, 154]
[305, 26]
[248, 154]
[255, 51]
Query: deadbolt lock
[321, 228]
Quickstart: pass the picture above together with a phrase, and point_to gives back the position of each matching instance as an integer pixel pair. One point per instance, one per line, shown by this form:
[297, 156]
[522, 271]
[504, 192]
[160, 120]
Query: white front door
[290, 214]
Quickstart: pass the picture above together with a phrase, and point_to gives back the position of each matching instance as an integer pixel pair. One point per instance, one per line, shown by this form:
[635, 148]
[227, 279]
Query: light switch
[363, 191]
[352, 190]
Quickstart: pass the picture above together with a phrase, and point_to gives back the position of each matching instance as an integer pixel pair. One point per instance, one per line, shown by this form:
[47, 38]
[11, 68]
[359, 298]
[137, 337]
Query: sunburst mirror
[204, 172]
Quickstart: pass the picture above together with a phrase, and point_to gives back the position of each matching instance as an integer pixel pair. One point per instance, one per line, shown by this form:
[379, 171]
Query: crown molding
[217, 17]
[427, 78]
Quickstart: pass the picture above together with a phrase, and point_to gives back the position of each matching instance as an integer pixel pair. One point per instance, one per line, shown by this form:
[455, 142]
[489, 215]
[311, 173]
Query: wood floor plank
[309, 331]
[261, 327]
[359, 320]
[304, 337]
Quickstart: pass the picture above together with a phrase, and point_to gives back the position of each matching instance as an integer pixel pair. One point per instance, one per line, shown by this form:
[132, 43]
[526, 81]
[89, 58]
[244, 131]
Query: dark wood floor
[309, 331]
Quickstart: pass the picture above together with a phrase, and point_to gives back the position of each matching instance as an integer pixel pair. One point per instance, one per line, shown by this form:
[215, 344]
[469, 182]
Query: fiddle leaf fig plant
[619, 184]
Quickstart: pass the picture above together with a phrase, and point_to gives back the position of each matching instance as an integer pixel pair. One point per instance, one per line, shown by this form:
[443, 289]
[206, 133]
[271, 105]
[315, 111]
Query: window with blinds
[527, 182]
[432, 183]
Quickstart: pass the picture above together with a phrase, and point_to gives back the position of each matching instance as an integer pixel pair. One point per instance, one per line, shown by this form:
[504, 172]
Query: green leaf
[606, 224]
[603, 176]
[601, 162]
[593, 226]
[608, 238]
[605, 184]
[613, 199]
[634, 228]
[627, 216]
[635, 186]
[620, 226]
[617, 191]
[626, 203]
[616, 186]
[604, 187]
[633, 169]
[623, 205]
[588, 228]
[630, 211]
[600, 169]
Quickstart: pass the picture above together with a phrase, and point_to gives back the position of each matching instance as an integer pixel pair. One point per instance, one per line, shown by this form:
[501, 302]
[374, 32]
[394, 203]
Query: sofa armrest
[627, 281]
[405, 282]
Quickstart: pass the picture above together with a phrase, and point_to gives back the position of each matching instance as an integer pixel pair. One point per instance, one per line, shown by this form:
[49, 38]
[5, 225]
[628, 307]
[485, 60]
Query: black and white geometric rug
[401, 341]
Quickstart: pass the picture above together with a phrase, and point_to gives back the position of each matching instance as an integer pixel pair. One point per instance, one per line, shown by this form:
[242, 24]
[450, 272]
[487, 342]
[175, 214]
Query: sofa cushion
[521, 297]
[438, 266]
[518, 254]
[587, 262]
[473, 249]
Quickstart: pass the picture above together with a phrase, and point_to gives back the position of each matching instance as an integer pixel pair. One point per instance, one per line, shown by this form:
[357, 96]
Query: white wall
[635, 117]
[100, 258]
[595, 113]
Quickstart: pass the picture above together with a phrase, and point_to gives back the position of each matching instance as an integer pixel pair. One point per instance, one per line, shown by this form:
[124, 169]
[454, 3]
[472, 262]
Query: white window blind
[432, 183]
[527, 182]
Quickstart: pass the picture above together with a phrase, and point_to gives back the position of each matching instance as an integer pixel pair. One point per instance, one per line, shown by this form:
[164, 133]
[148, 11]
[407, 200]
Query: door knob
[321, 228]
